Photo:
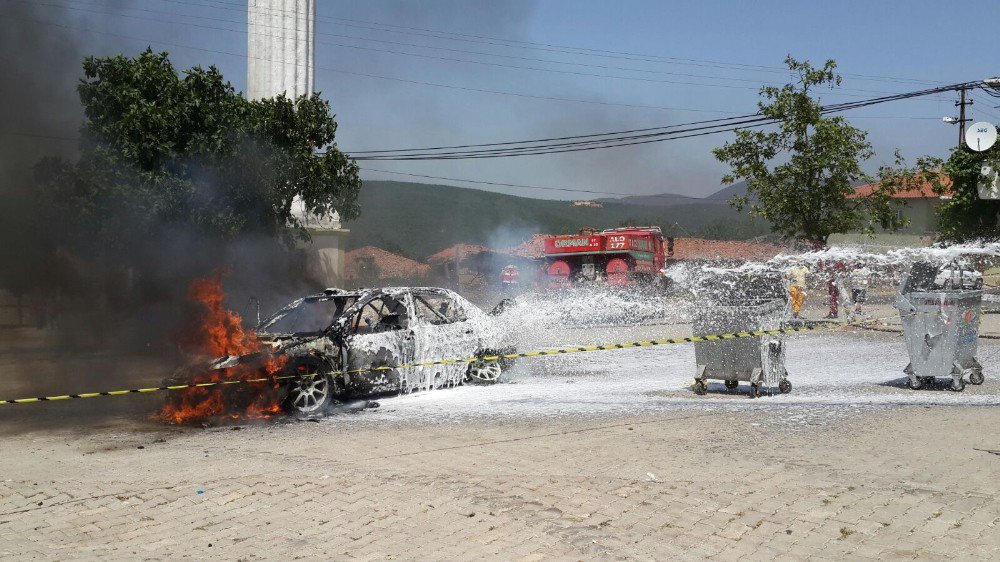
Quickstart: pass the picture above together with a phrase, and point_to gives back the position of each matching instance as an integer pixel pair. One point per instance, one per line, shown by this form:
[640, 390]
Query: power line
[726, 120]
[501, 184]
[982, 109]
[595, 143]
[584, 51]
[466, 51]
[378, 76]
[618, 138]
[841, 92]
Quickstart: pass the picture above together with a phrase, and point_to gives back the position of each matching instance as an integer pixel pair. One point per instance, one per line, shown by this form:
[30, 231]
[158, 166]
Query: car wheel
[312, 392]
[483, 372]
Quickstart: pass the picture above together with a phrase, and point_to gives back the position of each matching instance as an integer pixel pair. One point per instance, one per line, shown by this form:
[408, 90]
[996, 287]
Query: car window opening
[312, 315]
[382, 314]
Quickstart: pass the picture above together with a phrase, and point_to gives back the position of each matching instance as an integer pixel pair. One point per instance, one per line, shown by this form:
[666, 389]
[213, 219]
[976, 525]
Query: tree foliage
[800, 174]
[963, 216]
[168, 152]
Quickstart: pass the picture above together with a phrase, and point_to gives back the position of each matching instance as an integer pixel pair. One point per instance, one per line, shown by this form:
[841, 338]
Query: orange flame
[214, 332]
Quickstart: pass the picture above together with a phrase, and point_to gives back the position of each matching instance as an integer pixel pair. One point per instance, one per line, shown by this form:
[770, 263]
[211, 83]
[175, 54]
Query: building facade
[918, 205]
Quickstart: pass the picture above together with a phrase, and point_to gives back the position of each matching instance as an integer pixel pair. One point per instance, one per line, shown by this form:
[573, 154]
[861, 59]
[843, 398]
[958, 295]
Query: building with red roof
[919, 204]
[371, 265]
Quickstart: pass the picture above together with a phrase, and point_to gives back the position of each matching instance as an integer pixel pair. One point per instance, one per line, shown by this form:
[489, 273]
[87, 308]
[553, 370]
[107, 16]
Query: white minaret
[280, 47]
[281, 43]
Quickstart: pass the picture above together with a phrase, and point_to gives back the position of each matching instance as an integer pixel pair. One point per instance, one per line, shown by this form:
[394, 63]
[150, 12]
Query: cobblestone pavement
[890, 483]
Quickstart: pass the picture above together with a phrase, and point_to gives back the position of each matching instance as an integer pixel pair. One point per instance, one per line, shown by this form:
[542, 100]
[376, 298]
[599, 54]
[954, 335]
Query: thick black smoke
[87, 323]
[39, 116]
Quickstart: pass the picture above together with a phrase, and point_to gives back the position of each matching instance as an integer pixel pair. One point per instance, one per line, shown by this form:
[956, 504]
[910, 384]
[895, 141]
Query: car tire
[312, 392]
[482, 371]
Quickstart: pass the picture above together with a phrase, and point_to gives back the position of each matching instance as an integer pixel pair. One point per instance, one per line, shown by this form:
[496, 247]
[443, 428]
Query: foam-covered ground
[831, 372]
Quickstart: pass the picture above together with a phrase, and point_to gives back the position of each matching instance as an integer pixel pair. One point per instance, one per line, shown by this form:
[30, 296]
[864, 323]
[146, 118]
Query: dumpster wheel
[958, 384]
[785, 386]
[700, 386]
[976, 377]
[914, 383]
[755, 390]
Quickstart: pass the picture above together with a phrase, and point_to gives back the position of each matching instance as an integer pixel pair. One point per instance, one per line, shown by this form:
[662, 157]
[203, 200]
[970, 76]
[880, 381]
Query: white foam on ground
[829, 372]
[843, 371]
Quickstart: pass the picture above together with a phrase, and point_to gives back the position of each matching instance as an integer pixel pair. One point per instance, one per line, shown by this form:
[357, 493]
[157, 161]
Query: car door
[380, 335]
[441, 332]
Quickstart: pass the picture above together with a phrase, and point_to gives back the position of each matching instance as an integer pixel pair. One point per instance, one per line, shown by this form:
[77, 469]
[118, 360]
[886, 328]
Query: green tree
[964, 216]
[163, 152]
[800, 174]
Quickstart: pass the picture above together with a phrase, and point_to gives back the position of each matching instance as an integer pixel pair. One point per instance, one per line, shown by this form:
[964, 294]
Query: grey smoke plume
[39, 115]
[107, 327]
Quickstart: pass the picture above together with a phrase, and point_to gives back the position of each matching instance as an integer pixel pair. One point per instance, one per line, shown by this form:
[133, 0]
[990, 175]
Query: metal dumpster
[940, 326]
[733, 302]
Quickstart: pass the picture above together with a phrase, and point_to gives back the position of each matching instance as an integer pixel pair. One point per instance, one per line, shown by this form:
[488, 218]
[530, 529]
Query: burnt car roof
[335, 292]
[358, 293]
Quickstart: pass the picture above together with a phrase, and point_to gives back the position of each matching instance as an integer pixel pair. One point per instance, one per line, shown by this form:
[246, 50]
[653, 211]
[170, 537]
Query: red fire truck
[619, 256]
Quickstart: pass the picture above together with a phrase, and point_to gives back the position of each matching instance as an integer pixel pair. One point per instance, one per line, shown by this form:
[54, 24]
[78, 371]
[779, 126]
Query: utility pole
[962, 120]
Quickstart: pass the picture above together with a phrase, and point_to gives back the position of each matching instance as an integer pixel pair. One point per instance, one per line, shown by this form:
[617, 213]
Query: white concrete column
[280, 47]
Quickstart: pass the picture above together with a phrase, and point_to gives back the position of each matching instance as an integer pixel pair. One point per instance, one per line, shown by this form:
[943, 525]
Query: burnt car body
[351, 343]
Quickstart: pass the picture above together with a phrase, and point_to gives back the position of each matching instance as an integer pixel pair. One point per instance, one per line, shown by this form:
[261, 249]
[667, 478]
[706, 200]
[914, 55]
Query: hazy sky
[689, 61]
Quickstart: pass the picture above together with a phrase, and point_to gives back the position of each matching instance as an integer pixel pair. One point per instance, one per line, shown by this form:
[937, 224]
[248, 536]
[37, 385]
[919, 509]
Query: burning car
[323, 348]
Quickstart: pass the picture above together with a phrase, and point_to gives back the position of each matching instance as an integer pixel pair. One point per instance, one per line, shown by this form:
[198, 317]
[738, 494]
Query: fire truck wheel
[785, 386]
[732, 385]
[976, 377]
[483, 372]
[313, 392]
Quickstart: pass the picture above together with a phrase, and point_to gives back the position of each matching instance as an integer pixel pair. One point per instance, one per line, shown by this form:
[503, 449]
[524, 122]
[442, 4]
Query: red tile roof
[389, 265]
[533, 247]
[923, 190]
[462, 250]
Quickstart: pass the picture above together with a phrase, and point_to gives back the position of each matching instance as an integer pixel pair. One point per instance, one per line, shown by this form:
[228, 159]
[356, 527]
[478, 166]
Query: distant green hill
[417, 219]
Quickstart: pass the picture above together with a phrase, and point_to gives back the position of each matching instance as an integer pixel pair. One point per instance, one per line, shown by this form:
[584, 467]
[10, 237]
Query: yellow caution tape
[487, 358]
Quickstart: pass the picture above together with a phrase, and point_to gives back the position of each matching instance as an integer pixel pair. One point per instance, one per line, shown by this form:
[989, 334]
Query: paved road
[895, 483]
[605, 455]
